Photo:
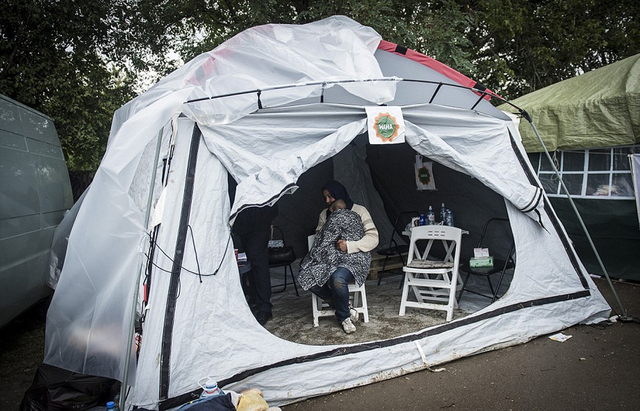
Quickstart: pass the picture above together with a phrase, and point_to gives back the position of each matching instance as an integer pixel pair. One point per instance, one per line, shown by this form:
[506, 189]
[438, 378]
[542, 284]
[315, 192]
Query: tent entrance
[383, 179]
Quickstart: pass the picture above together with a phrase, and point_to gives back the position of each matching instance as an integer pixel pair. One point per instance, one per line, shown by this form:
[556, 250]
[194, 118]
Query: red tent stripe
[431, 63]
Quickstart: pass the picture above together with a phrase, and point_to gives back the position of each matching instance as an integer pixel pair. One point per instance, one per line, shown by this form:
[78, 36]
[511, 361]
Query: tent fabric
[305, 145]
[438, 85]
[168, 162]
[434, 64]
[345, 50]
[594, 110]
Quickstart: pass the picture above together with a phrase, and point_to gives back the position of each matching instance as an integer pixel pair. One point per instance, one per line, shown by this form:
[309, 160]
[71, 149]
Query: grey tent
[267, 108]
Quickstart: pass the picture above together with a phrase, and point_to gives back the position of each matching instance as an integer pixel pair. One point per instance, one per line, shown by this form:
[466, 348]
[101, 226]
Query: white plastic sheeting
[287, 145]
[214, 332]
[90, 315]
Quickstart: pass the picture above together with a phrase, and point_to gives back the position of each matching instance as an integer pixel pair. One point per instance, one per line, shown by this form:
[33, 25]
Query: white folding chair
[433, 281]
[357, 297]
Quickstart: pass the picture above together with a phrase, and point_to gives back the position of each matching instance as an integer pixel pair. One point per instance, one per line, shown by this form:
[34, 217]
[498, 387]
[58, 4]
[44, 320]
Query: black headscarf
[338, 192]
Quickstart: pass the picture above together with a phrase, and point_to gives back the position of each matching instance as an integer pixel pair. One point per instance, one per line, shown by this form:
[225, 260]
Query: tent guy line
[624, 315]
[566, 242]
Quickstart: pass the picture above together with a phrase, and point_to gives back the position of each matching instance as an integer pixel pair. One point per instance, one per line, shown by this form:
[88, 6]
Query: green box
[481, 262]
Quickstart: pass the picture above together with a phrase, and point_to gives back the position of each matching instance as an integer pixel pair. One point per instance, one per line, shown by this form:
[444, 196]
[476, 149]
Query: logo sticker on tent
[385, 125]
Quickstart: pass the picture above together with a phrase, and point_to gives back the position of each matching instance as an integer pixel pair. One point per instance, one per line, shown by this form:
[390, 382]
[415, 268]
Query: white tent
[265, 107]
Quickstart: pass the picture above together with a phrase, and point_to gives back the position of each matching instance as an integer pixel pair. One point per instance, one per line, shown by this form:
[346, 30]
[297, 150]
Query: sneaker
[348, 326]
[353, 314]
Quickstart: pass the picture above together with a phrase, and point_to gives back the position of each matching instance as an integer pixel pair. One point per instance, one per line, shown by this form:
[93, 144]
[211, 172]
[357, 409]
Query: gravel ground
[597, 369]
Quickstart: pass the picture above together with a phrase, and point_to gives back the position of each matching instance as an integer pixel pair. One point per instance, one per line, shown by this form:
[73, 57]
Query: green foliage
[74, 61]
[79, 60]
[522, 45]
[436, 28]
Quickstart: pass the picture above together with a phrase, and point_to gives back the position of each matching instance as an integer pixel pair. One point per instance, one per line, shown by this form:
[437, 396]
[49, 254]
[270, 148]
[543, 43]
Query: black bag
[281, 256]
[55, 389]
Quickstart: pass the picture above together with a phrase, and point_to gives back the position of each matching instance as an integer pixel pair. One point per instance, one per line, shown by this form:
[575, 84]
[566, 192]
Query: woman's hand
[342, 245]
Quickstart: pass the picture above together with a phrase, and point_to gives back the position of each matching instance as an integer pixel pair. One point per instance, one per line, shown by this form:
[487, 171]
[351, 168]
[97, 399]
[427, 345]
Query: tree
[79, 60]
[524, 45]
[436, 28]
[511, 46]
[76, 62]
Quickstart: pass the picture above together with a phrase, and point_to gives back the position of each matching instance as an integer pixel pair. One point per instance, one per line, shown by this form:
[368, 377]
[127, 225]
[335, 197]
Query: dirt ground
[597, 369]
[293, 320]
[21, 351]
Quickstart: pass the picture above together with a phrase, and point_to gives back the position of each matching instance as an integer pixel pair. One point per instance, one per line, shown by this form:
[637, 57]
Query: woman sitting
[327, 273]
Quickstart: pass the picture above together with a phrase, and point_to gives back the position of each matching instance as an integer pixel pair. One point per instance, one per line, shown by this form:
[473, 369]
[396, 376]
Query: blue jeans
[336, 292]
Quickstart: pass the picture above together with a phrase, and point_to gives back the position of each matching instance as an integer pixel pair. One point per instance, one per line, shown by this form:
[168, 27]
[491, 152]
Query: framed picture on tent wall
[424, 174]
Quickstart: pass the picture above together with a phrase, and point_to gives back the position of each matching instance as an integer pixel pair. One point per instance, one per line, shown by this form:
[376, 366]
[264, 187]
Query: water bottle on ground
[210, 388]
[431, 216]
[443, 213]
[111, 406]
[449, 218]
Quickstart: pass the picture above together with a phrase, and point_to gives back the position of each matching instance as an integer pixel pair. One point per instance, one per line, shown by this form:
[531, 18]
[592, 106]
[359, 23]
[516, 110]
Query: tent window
[573, 183]
[598, 184]
[602, 173]
[549, 183]
[599, 160]
[572, 161]
[621, 159]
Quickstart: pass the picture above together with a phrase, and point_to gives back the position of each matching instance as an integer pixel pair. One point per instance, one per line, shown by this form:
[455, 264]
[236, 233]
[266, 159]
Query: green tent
[593, 121]
[600, 108]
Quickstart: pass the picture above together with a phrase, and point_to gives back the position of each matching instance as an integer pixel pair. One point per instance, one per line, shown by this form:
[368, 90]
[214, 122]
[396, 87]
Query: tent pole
[125, 377]
[575, 209]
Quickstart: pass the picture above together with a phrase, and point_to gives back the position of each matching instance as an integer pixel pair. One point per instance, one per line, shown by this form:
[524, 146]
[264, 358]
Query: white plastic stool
[357, 296]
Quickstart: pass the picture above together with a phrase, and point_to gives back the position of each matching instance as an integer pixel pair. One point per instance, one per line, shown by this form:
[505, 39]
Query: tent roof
[597, 109]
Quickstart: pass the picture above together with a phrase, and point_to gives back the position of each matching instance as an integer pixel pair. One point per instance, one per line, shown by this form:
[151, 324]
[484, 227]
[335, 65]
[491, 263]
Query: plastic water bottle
[443, 213]
[431, 216]
[111, 406]
[423, 220]
[210, 388]
[449, 218]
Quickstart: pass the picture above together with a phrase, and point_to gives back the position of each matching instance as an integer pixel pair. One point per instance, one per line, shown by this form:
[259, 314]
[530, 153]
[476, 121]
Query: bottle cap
[111, 404]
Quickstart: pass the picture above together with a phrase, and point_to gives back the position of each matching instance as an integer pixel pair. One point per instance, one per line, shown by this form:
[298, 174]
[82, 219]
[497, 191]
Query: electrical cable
[198, 273]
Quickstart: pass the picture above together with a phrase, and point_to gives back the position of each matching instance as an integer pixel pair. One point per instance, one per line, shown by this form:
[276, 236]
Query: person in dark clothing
[253, 227]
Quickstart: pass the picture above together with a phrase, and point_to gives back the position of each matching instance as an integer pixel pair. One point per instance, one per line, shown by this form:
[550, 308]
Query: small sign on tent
[424, 174]
[385, 125]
